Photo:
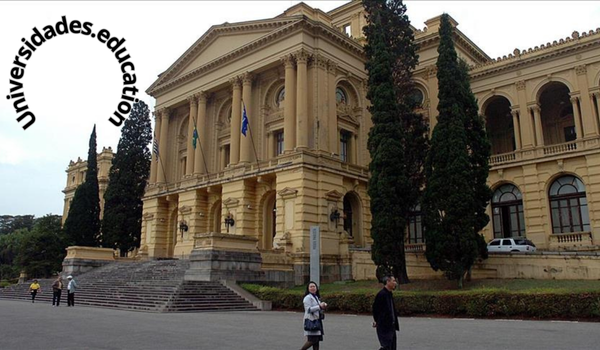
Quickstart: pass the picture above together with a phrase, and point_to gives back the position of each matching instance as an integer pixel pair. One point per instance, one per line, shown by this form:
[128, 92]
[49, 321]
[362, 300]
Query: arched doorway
[352, 217]
[568, 204]
[499, 125]
[215, 225]
[507, 212]
[269, 216]
[558, 123]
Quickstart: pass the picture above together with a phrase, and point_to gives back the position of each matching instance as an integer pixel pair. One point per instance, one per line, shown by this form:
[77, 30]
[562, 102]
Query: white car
[509, 245]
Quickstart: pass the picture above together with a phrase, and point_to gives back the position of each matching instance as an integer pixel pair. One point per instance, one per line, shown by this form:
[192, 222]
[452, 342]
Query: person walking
[385, 318]
[34, 288]
[71, 287]
[313, 316]
[57, 287]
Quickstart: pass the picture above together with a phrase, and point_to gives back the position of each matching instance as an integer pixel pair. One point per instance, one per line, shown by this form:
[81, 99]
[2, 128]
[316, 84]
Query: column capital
[520, 85]
[235, 82]
[201, 96]
[288, 61]
[432, 71]
[164, 113]
[514, 112]
[302, 56]
[535, 108]
[574, 99]
[332, 67]
[247, 78]
[595, 93]
[156, 115]
[581, 70]
[192, 99]
[320, 61]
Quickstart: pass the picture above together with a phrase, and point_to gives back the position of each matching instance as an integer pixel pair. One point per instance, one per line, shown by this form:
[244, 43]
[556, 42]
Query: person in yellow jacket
[34, 288]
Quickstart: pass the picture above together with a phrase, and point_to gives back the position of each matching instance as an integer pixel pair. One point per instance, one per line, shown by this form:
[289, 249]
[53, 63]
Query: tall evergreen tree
[456, 192]
[122, 223]
[82, 226]
[397, 141]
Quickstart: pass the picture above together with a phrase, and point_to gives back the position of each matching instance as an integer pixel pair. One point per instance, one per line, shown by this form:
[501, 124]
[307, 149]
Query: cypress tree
[397, 141]
[82, 226]
[456, 193]
[122, 223]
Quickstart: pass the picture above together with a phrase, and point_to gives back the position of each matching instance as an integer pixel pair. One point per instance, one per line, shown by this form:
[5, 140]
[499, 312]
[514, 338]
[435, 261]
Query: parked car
[515, 244]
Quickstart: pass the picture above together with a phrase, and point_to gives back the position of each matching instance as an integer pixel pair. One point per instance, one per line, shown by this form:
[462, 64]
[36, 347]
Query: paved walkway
[40, 326]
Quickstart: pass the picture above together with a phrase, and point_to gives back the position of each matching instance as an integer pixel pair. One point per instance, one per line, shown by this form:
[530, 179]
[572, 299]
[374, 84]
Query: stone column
[517, 128]
[576, 117]
[270, 145]
[163, 146]
[236, 119]
[302, 100]
[596, 107]
[589, 123]
[433, 97]
[189, 165]
[334, 137]
[539, 132]
[527, 128]
[222, 156]
[246, 141]
[354, 151]
[321, 104]
[199, 161]
[154, 164]
[289, 105]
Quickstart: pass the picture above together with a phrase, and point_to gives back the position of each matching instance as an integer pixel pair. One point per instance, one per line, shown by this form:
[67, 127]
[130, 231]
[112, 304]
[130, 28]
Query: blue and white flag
[244, 120]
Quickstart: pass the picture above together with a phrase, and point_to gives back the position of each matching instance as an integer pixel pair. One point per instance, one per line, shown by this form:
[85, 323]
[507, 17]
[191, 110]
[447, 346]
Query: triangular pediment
[219, 41]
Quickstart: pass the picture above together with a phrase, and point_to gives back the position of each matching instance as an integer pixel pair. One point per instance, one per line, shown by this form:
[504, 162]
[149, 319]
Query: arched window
[340, 96]
[507, 212]
[417, 97]
[280, 97]
[568, 204]
[415, 225]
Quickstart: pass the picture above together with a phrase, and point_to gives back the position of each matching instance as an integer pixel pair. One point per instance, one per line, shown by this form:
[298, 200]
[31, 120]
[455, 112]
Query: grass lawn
[487, 285]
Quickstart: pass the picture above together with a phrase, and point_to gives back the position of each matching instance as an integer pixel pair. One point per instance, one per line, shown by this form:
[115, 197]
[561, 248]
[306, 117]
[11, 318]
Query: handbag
[312, 325]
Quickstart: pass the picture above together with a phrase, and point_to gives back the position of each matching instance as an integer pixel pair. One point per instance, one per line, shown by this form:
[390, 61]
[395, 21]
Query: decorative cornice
[294, 23]
[185, 209]
[231, 202]
[333, 195]
[288, 192]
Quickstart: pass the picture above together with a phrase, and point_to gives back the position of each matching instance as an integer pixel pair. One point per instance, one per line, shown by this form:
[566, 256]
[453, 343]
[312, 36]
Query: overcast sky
[72, 82]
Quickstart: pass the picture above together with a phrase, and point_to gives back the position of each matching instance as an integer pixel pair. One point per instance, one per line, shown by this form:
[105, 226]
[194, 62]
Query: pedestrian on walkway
[385, 318]
[71, 287]
[313, 314]
[57, 287]
[34, 288]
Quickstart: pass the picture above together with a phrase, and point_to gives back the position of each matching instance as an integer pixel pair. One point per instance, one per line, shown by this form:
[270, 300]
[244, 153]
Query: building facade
[76, 176]
[299, 81]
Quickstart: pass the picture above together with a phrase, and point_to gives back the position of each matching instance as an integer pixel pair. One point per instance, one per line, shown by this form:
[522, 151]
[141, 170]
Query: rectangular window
[345, 145]
[278, 143]
[347, 29]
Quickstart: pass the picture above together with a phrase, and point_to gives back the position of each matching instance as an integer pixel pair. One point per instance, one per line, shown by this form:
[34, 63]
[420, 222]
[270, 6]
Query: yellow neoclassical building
[301, 81]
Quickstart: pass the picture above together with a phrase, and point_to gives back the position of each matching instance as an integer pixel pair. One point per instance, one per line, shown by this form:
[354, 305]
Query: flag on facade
[244, 120]
[195, 137]
[155, 147]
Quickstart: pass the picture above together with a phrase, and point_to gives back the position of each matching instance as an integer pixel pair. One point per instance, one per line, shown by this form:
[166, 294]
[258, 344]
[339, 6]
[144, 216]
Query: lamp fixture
[229, 221]
[334, 216]
[183, 227]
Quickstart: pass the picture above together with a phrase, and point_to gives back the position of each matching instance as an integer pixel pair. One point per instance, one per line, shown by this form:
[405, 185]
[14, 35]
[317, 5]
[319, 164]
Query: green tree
[82, 226]
[122, 223]
[9, 248]
[9, 223]
[42, 250]
[456, 169]
[397, 141]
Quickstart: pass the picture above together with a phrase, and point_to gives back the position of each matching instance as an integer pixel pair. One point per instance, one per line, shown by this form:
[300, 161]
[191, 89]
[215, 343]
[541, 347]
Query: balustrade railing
[560, 148]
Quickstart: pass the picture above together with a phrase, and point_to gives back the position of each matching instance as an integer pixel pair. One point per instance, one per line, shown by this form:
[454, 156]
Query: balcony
[543, 152]
[571, 241]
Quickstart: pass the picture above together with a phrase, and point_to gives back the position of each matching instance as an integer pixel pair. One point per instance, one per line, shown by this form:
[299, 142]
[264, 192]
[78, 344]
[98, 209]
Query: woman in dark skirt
[313, 307]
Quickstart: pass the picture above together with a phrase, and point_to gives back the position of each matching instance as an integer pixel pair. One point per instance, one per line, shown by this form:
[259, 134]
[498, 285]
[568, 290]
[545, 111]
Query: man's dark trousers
[71, 299]
[56, 297]
[387, 339]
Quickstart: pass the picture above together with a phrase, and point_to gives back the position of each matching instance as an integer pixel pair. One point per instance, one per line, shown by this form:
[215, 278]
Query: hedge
[478, 304]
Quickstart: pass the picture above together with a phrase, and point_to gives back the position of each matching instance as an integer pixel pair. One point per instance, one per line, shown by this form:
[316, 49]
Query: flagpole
[201, 149]
[251, 138]
[158, 158]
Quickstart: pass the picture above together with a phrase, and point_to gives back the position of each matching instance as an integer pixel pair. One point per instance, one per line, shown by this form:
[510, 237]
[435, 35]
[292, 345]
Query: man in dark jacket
[385, 318]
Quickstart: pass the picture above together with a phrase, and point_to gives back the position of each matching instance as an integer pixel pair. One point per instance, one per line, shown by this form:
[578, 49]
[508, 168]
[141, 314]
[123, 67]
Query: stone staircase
[151, 286]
